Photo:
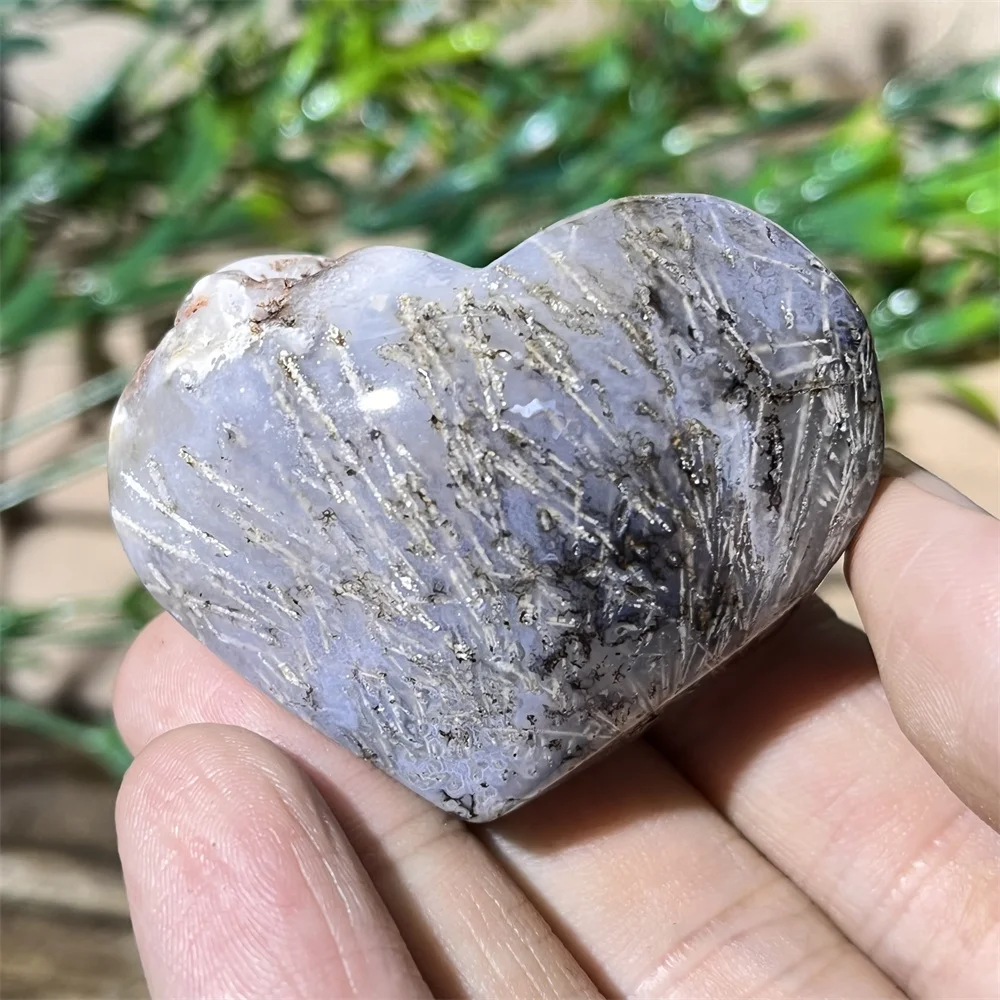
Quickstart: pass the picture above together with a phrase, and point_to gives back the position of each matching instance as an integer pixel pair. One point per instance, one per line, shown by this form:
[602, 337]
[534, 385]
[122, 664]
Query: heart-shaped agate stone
[478, 525]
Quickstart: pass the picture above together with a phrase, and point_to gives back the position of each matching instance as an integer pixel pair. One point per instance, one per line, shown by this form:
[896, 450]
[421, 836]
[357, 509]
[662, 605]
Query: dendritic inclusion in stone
[476, 525]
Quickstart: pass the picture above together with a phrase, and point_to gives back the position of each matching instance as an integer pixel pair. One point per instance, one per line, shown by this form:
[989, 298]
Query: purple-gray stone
[478, 525]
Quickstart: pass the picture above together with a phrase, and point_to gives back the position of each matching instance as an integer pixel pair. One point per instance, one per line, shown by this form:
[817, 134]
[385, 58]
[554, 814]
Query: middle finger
[797, 745]
[658, 896]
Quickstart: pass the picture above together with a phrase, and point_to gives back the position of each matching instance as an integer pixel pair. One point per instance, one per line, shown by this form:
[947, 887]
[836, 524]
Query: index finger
[925, 572]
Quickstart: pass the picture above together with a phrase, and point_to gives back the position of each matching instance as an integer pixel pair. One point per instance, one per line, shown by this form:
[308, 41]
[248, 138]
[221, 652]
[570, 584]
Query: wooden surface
[64, 927]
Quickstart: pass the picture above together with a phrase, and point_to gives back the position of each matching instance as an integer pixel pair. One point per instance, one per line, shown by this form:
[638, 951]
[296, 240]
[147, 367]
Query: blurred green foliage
[232, 129]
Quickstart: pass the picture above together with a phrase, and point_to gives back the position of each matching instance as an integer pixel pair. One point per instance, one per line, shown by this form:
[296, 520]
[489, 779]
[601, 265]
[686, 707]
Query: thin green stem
[53, 474]
[100, 742]
[71, 404]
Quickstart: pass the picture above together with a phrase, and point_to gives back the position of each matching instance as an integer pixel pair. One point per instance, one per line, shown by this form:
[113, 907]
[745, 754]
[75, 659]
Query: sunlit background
[145, 142]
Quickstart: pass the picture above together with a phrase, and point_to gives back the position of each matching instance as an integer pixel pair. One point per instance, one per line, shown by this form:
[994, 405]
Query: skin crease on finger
[661, 897]
[926, 575]
[797, 746]
[800, 749]
[279, 906]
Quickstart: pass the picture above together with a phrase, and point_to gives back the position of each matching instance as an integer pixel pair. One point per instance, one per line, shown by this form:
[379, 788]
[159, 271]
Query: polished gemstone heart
[478, 525]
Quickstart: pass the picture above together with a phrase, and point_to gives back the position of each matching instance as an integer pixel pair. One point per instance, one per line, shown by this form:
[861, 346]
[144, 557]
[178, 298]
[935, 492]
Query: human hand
[814, 820]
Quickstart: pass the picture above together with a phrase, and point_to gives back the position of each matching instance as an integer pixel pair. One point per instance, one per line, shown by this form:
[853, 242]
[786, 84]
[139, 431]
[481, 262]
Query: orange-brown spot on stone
[193, 306]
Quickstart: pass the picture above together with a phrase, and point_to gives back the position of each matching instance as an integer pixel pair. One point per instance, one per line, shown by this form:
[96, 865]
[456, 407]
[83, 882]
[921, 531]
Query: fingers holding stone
[925, 571]
[240, 881]
[641, 878]
[470, 929]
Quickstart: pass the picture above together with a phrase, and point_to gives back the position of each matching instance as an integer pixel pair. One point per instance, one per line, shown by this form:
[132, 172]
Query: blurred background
[145, 142]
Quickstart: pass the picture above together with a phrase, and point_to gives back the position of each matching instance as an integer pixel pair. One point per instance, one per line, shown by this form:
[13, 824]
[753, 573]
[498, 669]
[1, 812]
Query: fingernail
[898, 466]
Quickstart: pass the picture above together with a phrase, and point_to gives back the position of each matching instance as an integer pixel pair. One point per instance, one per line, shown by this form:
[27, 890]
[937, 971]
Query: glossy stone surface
[478, 525]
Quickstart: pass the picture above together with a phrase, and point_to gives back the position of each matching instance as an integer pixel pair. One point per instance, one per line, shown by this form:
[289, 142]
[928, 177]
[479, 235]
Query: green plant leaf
[16, 45]
[53, 474]
[70, 404]
[941, 331]
[102, 743]
[21, 313]
[17, 623]
[138, 607]
[972, 399]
